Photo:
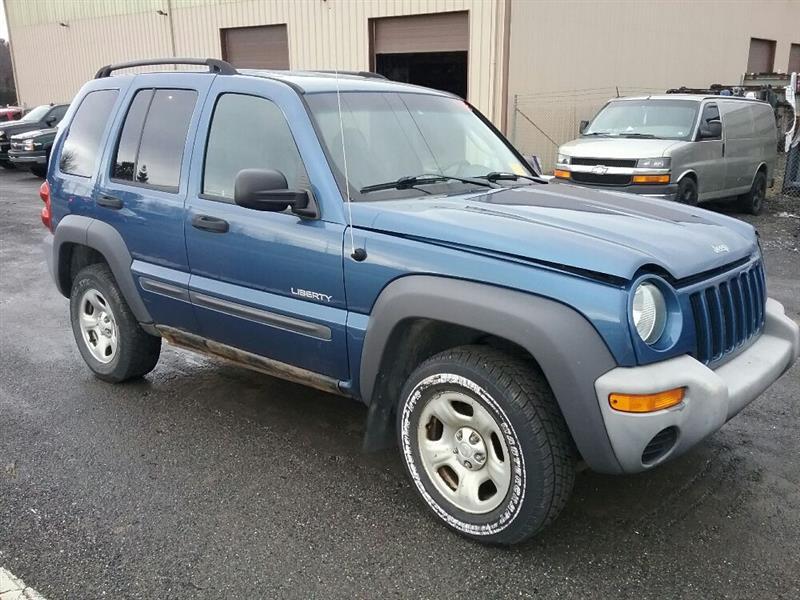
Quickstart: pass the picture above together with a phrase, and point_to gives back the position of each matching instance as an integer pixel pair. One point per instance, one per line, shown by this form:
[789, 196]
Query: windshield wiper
[638, 135]
[607, 133]
[505, 176]
[410, 181]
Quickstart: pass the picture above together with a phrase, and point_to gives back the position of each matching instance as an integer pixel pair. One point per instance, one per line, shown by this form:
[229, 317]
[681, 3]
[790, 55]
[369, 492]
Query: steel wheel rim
[98, 326]
[451, 442]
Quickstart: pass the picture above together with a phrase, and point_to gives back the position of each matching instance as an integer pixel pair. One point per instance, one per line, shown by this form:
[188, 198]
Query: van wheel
[485, 444]
[687, 191]
[109, 338]
[753, 201]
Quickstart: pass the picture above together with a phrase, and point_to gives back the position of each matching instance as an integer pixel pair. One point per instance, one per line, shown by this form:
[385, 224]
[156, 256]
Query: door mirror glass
[583, 125]
[267, 190]
[711, 130]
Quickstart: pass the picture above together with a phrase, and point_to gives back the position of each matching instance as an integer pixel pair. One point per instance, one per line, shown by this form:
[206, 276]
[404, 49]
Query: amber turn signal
[641, 403]
[561, 174]
[651, 179]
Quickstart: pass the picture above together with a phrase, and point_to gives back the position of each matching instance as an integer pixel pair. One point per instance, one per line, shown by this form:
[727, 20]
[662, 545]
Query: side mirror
[267, 190]
[711, 130]
[583, 125]
[535, 164]
[50, 121]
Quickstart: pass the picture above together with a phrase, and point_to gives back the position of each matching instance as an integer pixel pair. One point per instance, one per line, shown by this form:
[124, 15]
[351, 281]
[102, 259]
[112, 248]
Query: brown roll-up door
[438, 32]
[762, 56]
[794, 58]
[261, 47]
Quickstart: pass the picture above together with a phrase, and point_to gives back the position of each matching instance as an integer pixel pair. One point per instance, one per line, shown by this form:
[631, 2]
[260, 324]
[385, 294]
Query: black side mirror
[267, 190]
[711, 130]
[50, 121]
[583, 125]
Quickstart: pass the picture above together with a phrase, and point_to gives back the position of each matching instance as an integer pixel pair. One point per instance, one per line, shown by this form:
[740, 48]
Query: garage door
[262, 47]
[439, 32]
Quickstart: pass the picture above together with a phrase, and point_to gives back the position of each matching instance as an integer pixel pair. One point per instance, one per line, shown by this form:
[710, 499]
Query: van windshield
[663, 119]
[389, 137]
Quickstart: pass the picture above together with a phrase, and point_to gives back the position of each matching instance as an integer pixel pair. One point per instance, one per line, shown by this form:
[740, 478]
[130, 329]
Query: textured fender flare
[566, 346]
[107, 241]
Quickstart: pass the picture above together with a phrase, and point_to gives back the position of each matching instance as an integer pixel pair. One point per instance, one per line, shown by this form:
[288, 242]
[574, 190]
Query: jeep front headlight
[649, 312]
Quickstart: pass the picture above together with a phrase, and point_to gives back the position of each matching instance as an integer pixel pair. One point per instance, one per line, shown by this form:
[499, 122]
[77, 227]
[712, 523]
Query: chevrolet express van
[689, 148]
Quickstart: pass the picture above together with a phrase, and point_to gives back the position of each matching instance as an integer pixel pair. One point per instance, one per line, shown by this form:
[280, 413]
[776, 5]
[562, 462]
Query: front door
[709, 157]
[270, 283]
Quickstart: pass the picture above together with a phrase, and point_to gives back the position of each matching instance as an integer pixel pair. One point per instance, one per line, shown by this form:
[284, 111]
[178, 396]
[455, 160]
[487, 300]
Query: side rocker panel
[108, 242]
[570, 352]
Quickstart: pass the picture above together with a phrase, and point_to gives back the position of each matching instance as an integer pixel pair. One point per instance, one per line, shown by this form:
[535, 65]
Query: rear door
[144, 185]
[270, 283]
[709, 156]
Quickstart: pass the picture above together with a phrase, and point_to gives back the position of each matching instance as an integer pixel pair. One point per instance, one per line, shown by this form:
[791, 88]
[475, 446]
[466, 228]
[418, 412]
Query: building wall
[568, 57]
[53, 61]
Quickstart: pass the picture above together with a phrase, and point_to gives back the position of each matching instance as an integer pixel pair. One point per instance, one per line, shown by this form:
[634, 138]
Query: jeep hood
[606, 232]
[607, 147]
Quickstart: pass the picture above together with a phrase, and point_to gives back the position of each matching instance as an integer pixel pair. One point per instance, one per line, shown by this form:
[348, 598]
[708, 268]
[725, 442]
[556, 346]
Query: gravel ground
[209, 481]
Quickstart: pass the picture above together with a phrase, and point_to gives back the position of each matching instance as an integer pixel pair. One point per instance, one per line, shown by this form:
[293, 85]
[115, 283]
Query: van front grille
[601, 179]
[728, 314]
[607, 162]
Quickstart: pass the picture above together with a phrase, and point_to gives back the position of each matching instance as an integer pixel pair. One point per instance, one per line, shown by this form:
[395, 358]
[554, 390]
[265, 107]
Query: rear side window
[248, 132]
[153, 137]
[79, 153]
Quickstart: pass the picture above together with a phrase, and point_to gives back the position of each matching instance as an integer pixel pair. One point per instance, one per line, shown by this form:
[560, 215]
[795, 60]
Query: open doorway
[429, 50]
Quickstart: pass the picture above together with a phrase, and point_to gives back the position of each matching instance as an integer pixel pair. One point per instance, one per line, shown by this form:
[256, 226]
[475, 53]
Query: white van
[683, 147]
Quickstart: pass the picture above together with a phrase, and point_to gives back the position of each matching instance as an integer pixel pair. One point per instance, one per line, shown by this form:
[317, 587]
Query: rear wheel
[753, 201]
[109, 338]
[485, 444]
[687, 191]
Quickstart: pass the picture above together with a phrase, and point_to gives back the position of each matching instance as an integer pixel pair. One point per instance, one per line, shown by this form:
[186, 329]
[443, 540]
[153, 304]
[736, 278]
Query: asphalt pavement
[205, 480]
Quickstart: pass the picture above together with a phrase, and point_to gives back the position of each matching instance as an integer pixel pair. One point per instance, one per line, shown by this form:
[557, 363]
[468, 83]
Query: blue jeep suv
[384, 242]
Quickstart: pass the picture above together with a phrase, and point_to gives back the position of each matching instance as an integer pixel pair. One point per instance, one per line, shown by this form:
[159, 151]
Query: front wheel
[687, 191]
[485, 444]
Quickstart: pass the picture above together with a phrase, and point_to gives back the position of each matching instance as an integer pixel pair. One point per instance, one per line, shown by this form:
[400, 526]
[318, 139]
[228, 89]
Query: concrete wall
[53, 61]
[568, 57]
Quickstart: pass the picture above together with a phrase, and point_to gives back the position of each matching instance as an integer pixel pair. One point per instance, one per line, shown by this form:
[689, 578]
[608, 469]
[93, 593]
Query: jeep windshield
[662, 119]
[390, 139]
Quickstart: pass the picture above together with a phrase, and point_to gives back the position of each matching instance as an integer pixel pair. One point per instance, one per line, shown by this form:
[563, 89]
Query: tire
[109, 338]
[526, 450]
[753, 201]
[39, 171]
[687, 191]
[7, 164]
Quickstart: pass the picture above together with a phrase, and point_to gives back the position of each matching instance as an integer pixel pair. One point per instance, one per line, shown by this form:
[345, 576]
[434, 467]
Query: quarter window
[151, 144]
[248, 132]
[79, 153]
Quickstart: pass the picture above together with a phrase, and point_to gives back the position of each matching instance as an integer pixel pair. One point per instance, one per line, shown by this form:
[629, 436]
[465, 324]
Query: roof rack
[366, 74]
[214, 65]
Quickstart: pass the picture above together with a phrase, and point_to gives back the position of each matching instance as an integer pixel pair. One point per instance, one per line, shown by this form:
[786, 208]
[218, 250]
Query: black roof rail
[214, 65]
[367, 74]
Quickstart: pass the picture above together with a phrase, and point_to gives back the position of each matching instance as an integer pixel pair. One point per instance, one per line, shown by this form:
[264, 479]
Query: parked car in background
[10, 113]
[31, 150]
[689, 148]
[45, 116]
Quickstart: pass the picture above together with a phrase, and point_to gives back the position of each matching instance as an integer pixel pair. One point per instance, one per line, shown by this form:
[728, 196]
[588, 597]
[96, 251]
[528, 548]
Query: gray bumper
[712, 397]
[667, 191]
[27, 159]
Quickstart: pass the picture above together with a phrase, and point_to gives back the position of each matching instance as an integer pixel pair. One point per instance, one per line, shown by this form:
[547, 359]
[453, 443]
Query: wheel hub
[470, 449]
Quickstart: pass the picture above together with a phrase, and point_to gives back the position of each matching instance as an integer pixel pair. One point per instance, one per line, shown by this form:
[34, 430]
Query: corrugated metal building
[535, 67]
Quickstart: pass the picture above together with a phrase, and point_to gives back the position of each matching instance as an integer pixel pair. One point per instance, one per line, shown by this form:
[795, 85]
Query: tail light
[44, 194]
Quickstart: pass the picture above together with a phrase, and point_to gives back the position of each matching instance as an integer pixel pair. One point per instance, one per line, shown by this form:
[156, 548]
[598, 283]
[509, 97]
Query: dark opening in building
[429, 50]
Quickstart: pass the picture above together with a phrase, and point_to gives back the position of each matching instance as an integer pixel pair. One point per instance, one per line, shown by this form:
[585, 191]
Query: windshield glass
[388, 136]
[665, 119]
[36, 114]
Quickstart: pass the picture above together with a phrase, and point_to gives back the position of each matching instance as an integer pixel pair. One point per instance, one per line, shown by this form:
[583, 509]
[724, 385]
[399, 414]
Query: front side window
[57, 114]
[662, 119]
[710, 114]
[79, 153]
[248, 132]
[153, 137]
[35, 114]
[387, 136]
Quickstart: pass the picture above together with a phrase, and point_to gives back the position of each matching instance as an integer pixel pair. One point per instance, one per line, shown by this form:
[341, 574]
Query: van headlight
[563, 159]
[649, 312]
[661, 162]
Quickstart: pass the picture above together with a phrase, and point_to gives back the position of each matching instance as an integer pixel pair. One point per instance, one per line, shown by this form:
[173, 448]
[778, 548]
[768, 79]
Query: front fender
[566, 346]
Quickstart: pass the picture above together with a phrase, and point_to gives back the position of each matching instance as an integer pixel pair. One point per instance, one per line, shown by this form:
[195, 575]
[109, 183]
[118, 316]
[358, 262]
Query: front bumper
[27, 158]
[667, 191]
[712, 396]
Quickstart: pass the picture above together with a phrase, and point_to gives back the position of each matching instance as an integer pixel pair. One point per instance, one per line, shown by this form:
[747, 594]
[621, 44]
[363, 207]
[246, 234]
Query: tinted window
[124, 165]
[249, 132]
[710, 113]
[58, 113]
[80, 149]
[150, 148]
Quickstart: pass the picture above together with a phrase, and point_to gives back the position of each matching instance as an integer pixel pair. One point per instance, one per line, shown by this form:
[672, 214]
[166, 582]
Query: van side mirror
[267, 190]
[711, 130]
[583, 125]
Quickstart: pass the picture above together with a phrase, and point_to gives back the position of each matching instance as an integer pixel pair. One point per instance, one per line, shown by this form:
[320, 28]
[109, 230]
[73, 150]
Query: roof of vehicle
[692, 97]
[324, 81]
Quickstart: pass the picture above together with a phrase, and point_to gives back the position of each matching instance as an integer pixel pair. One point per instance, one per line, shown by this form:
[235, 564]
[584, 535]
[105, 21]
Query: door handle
[212, 224]
[111, 202]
